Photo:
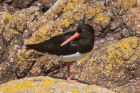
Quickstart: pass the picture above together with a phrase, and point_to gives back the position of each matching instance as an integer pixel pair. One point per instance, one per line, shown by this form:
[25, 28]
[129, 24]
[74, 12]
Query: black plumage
[52, 46]
[82, 44]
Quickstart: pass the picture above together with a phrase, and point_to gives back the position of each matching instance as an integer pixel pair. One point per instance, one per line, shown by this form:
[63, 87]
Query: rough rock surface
[113, 63]
[48, 85]
[15, 5]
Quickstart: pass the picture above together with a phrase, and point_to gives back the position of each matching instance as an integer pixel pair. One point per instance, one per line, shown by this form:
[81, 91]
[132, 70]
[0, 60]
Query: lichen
[47, 84]
[65, 23]
[103, 18]
[91, 12]
[117, 52]
[9, 17]
[70, 5]
[44, 32]
[15, 86]
[127, 3]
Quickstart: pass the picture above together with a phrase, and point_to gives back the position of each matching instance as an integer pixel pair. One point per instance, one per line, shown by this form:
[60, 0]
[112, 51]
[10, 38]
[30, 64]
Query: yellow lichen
[111, 52]
[68, 15]
[117, 52]
[120, 61]
[61, 3]
[86, 90]
[95, 77]
[103, 18]
[70, 5]
[16, 86]
[9, 17]
[75, 1]
[19, 85]
[43, 32]
[128, 3]
[83, 59]
[4, 88]
[76, 16]
[65, 23]
[85, 8]
[48, 81]
[74, 91]
[108, 67]
[98, 10]
[28, 41]
[92, 12]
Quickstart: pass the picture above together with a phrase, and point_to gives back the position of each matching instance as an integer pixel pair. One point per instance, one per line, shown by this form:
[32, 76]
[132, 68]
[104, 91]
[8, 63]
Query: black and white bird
[70, 46]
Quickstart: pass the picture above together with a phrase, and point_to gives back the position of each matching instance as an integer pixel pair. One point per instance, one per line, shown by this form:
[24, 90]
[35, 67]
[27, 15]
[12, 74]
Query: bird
[70, 46]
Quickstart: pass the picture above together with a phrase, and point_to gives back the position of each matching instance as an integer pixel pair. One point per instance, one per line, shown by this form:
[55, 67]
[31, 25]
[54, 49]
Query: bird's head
[83, 31]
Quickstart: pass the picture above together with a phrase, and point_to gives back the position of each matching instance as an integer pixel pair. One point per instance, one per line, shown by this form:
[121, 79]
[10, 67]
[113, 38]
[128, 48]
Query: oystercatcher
[70, 46]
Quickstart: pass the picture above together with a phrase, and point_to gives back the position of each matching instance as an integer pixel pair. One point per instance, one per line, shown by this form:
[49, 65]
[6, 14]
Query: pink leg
[68, 77]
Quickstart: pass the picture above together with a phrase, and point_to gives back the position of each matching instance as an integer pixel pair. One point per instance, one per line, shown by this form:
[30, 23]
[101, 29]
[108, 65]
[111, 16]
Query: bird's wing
[52, 46]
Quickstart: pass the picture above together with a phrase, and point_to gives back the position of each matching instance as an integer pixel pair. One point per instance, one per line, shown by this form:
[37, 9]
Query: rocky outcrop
[114, 61]
[15, 5]
[49, 85]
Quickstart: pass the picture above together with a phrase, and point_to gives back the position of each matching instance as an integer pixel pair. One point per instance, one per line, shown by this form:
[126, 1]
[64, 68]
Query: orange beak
[76, 35]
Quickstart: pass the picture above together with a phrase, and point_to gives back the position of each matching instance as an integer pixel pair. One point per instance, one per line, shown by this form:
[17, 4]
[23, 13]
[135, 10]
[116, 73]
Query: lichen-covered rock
[133, 86]
[12, 29]
[111, 66]
[48, 85]
[15, 5]
[114, 62]
[134, 19]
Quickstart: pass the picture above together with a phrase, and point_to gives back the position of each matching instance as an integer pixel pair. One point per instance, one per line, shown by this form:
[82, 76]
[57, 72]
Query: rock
[114, 62]
[2, 48]
[14, 5]
[132, 86]
[112, 66]
[50, 85]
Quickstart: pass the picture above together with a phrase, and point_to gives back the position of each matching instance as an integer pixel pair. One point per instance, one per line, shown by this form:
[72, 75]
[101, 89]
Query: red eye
[83, 30]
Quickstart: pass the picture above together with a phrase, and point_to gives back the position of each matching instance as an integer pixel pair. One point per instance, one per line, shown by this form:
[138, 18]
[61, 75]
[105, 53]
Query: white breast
[71, 57]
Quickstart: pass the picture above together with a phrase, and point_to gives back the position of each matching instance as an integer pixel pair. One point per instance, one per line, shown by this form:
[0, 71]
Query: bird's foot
[72, 81]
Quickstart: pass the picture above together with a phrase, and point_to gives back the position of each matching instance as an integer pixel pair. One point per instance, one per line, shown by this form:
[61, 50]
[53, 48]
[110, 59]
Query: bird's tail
[38, 47]
[31, 46]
